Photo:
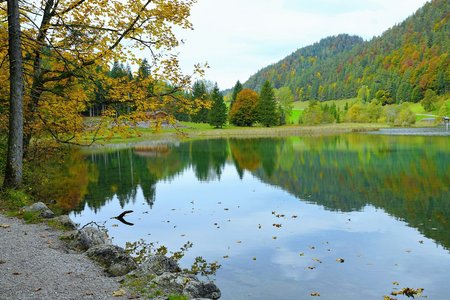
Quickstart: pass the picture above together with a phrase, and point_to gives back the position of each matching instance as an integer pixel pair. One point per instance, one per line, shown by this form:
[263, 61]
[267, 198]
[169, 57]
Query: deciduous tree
[285, 101]
[245, 109]
[14, 159]
[66, 42]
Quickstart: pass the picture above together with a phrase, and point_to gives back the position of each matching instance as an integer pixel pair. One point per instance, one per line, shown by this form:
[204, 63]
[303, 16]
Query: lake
[353, 216]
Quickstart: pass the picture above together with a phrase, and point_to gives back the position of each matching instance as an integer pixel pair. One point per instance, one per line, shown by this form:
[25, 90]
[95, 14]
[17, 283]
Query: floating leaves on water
[421, 242]
[5, 225]
[277, 225]
[274, 237]
[312, 247]
[315, 294]
[311, 268]
[119, 293]
[225, 256]
[239, 242]
[318, 260]
[115, 225]
[388, 298]
[215, 224]
[294, 217]
[340, 260]
[219, 202]
[278, 215]
[302, 254]
[259, 226]
[254, 258]
[408, 251]
[226, 209]
[408, 292]
[182, 234]
[395, 283]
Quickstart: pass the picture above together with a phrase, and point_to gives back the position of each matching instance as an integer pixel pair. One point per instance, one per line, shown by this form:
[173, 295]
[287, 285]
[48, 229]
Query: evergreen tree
[144, 69]
[236, 90]
[218, 112]
[199, 92]
[267, 108]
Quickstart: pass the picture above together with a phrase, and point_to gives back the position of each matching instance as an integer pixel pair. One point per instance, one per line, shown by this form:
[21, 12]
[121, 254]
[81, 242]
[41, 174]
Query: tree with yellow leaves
[67, 45]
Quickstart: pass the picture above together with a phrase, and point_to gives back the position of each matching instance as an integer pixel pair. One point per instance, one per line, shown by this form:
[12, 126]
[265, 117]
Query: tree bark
[14, 160]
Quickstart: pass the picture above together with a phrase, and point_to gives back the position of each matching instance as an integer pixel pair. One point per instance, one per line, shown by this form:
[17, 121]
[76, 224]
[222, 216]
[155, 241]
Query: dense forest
[404, 61]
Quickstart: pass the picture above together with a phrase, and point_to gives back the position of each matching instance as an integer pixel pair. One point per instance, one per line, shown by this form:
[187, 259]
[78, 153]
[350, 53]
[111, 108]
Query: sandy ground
[34, 264]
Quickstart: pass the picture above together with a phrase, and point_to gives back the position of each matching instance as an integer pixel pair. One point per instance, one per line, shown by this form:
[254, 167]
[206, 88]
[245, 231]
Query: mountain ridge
[405, 60]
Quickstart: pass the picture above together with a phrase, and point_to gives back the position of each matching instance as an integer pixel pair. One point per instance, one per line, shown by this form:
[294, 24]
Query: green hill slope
[405, 61]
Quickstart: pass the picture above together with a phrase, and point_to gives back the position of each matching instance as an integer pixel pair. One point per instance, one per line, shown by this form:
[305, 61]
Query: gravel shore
[35, 264]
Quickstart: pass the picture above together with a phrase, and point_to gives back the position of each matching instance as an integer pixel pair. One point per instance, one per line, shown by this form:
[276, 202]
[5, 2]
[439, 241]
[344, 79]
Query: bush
[405, 116]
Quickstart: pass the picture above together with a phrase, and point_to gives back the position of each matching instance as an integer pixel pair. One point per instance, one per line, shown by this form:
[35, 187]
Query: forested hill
[405, 61]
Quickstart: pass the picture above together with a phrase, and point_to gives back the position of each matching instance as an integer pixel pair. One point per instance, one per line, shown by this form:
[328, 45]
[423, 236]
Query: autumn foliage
[68, 49]
[244, 111]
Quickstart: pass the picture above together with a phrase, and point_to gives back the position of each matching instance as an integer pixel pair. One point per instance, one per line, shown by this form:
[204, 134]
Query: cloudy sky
[239, 37]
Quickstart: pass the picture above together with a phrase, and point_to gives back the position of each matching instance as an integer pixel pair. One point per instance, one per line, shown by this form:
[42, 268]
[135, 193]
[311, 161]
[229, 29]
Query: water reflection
[406, 176]
[333, 197]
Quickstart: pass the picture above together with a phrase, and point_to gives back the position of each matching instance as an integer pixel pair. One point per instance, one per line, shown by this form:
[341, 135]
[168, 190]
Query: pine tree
[144, 69]
[267, 108]
[218, 112]
[199, 92]
[236, 90]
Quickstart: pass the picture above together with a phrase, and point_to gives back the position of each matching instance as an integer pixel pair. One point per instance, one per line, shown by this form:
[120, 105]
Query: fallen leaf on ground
[119, 293]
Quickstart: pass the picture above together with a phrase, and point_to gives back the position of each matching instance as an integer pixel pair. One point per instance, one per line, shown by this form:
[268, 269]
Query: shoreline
[36, 264]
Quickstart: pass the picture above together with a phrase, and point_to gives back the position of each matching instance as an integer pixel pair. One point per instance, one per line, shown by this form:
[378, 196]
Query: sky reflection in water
[234, 218]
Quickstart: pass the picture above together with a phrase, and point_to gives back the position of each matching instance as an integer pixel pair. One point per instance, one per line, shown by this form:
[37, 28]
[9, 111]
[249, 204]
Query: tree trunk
[13, 172]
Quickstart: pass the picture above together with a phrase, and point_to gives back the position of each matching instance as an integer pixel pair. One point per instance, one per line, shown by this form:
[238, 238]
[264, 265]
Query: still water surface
[278, 214]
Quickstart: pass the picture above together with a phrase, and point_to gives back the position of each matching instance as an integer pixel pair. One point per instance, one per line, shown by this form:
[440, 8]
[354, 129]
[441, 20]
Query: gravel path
[35, 265]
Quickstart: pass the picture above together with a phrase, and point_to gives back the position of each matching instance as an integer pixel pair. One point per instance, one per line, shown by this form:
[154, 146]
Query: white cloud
[238, 37]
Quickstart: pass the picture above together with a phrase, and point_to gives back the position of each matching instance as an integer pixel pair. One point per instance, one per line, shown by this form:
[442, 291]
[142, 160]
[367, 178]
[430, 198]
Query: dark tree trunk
[38, 84]
[13, 172]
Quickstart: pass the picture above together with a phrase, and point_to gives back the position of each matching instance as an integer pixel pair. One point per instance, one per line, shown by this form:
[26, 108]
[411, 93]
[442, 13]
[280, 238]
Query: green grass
[299, 105]
[295, 116]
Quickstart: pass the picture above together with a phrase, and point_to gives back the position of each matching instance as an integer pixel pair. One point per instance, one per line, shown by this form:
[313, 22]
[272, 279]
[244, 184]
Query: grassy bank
[188, 130]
